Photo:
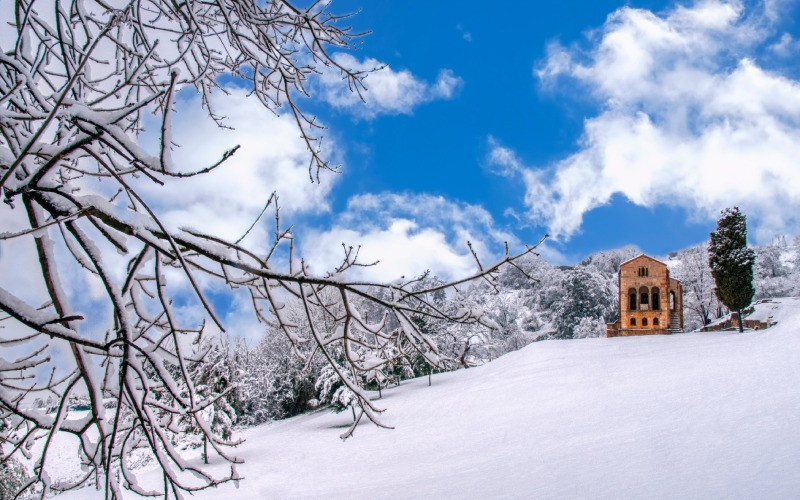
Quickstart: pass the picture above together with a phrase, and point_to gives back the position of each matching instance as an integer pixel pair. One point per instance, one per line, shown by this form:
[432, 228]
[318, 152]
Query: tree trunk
[464, 357]
[741, 322]
[205, 449]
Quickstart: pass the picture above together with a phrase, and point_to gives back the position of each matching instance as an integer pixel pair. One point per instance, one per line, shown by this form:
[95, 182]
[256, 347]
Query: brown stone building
[650, 302]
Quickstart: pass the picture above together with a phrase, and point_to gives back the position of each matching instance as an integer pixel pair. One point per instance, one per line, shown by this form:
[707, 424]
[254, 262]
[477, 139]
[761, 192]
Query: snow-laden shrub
[13, 477]
[589, 328]
[333, 392]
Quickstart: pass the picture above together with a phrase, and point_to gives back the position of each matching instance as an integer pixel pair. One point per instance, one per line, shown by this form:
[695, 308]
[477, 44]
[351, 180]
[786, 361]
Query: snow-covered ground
[700, 415]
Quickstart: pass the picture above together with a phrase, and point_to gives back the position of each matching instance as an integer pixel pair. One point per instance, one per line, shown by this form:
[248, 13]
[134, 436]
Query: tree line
[532, 302]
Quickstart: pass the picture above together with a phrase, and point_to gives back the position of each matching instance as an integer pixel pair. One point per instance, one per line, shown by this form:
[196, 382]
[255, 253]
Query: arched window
[644, 321]
[644, 298]
[671, 300]
[643, 271]
[655, 322]
[632, 299]
[633, 321]
[656, 296]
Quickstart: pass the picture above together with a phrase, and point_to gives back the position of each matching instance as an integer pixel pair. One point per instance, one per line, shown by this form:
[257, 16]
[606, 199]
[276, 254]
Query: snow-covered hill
[700, 415]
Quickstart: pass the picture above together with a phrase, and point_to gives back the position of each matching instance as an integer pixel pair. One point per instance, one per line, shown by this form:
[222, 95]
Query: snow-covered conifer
[214, 385]
[332, 391]
[586, 297]
[732, 262]
[13, 477]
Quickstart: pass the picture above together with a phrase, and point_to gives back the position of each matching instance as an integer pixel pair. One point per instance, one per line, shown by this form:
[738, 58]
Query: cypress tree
[732, 262]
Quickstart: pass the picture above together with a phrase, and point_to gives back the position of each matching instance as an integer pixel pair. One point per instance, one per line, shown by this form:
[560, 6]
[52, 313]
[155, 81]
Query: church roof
[639, 257]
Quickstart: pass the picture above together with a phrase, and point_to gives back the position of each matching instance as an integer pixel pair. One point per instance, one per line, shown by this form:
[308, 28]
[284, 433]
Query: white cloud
[408, 234]
[272, 157]
[224, 202]
[785, 46]
[19, 264]
[389, 92]
[774, 9]
[502, 160]
[689, 118]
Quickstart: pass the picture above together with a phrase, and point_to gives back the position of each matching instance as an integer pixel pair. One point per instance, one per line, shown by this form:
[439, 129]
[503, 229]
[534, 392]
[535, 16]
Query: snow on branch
[74, 87]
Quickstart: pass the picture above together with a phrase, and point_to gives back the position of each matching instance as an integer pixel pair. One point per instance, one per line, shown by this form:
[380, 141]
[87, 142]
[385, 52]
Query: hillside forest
[533, 302]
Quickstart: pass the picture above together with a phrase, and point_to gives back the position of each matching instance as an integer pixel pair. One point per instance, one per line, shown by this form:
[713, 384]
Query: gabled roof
[639, 257]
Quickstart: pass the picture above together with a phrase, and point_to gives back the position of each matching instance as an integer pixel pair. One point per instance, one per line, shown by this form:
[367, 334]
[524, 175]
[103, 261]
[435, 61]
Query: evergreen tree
[585, 297]
[212, 376]
[333, 392]
[13, 477]
[732, 262]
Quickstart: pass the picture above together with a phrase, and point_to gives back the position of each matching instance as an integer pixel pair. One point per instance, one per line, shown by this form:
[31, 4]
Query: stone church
[650, 302]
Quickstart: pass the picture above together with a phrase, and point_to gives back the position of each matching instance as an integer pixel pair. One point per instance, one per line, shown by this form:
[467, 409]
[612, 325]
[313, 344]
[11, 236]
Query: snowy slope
[701, 415]
[778, 310]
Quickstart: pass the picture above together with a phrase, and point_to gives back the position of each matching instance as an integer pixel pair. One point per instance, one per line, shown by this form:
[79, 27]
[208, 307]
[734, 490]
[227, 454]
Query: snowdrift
[699, 415]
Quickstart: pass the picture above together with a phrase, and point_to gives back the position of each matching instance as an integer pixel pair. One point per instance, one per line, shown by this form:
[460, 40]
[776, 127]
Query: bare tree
[75, 81]
[698, 285]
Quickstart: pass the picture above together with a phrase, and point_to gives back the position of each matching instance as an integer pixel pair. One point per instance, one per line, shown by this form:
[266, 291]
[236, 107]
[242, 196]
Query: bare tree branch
[73, 90]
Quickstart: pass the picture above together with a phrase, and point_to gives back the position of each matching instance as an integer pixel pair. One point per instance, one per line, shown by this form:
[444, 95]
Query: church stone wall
[649, 312]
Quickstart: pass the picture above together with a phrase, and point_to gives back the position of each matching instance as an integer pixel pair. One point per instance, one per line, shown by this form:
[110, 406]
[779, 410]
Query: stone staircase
[674, 323]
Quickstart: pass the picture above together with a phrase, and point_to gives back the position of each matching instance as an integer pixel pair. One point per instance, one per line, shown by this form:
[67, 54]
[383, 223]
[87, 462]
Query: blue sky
[602, 123]
[443, 147]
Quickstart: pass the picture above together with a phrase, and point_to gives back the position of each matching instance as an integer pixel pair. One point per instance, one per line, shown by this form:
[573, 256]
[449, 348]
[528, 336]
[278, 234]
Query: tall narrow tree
[732, 262]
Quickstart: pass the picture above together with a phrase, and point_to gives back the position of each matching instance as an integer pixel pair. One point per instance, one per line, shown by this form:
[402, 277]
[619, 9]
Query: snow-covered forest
[537, 301]
[701, 415]
[544, 421]
[253, 383]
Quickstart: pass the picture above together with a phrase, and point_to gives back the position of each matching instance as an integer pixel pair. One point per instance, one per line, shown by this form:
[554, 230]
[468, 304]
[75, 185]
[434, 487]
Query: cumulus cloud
[408, 234]
[689, 118]
[389, 92]
[272, 157]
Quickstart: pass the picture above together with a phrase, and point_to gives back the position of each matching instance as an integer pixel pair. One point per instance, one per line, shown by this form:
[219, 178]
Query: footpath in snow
[700, 415]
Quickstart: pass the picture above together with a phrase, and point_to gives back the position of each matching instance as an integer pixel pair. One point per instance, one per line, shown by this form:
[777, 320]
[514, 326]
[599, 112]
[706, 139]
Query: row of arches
[645, 297]
[644, 322]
